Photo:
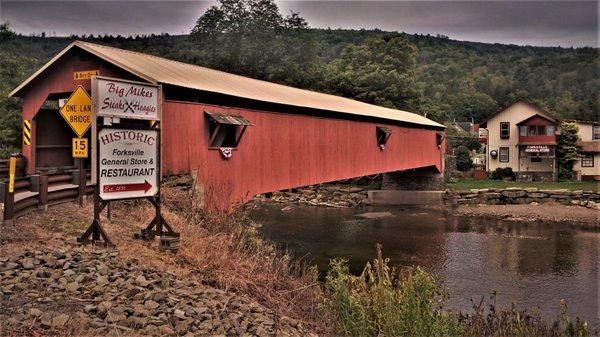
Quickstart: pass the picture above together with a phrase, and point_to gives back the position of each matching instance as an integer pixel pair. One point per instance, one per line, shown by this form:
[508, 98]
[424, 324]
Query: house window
[523, 130]
[550, 130]
[504, 130]
[383, 134]
[504, 155]
[225, 131]
[587, 160]
[537, 130]
[596, 132]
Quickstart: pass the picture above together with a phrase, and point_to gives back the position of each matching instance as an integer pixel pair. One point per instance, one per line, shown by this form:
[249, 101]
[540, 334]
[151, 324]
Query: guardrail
[40, 190]
[4, 169]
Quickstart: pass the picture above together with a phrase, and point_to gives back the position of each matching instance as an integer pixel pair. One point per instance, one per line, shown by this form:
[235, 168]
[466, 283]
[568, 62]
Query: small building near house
[522, 136]
[588, 167]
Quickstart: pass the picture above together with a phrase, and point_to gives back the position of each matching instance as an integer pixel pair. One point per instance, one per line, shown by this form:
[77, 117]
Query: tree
[252, 38]
[12, 69]
[567, 150]
[476, 106]
[5, 32]
[379, 71]
[463, 158]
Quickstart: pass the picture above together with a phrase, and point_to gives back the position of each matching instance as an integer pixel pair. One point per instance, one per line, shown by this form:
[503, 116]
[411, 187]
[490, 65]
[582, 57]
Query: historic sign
[77, 111]
[127, 99]
[80, 148]
[537, 148]
[127, 163]
[126, 160]
[85, 74]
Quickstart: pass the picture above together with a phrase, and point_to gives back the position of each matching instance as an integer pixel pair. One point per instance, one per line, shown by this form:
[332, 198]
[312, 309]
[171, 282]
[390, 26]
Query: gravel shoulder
[77, 291]
[573, 215]
[50, 286]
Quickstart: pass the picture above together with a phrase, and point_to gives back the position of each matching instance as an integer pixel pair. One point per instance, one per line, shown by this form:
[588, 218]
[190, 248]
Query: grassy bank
[467, 184]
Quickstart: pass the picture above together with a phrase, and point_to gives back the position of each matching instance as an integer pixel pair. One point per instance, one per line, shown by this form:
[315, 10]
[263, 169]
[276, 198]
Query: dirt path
[575, 215]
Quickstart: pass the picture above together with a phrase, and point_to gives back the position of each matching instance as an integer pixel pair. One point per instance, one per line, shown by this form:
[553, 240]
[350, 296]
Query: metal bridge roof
[160, 70]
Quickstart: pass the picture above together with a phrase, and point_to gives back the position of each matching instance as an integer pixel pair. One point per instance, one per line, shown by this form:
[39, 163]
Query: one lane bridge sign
[77, 111]
[127, 163]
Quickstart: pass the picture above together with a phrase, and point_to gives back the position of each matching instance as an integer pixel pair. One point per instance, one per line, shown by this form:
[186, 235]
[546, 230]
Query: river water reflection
[530, 264]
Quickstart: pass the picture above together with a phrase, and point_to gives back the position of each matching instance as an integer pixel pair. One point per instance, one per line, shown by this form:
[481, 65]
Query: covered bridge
[240, 136]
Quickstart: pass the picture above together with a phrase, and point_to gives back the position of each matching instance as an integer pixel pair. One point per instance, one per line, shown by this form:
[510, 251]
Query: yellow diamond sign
[77, 111]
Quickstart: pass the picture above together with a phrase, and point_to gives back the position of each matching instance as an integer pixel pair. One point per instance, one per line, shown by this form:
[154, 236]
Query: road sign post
[126, 157]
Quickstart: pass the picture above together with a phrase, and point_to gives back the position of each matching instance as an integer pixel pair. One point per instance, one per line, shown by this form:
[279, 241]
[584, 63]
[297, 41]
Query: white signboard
[127, 163]
[126, 99]
[537, 148]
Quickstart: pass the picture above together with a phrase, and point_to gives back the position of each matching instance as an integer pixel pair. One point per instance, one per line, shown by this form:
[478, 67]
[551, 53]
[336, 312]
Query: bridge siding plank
[285, 150]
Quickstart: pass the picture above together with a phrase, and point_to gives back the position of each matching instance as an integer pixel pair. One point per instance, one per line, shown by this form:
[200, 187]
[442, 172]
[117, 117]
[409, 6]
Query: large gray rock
[514, 193]
[374, 215]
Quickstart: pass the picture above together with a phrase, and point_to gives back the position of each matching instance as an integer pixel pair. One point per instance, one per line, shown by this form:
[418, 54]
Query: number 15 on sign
[80, 147]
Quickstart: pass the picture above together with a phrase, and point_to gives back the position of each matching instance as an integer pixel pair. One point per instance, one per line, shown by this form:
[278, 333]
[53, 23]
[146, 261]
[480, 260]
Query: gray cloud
[546, 23]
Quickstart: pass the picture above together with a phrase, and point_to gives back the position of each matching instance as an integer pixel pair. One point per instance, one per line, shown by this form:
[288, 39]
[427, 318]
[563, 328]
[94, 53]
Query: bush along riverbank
[380, 302]
[516, 195]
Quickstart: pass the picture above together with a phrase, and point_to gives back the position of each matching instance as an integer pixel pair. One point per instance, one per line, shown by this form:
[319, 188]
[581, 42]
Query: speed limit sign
[80, 147]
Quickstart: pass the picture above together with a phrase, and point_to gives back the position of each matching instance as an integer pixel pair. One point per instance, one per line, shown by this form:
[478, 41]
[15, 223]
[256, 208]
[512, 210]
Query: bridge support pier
[422, 179]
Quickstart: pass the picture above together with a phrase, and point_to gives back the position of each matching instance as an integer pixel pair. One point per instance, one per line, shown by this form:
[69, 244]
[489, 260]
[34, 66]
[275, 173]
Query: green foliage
[377, 303]
[518, 323]
[252, 38]
[379, 71]
[463, 158]
[503, 173]
[567, 150]
[380, 303]
[11, 70]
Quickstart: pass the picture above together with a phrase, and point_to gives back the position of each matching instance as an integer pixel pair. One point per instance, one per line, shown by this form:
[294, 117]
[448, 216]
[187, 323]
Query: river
[534, 265]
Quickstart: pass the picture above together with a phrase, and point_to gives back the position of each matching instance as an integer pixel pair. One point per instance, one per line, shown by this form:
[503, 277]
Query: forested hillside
[432, 75]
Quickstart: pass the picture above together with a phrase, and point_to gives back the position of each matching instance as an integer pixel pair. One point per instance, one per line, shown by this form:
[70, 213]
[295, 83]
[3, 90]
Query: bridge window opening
[439, 138]
[383, 134]
[226, 131]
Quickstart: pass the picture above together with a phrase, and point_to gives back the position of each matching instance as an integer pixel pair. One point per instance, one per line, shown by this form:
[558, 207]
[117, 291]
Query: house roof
[537, 116]
[164, 71]
[582, 122]
[541, 111]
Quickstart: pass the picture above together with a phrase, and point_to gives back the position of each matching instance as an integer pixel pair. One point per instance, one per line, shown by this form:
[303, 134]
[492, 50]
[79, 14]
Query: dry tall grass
[227, 252]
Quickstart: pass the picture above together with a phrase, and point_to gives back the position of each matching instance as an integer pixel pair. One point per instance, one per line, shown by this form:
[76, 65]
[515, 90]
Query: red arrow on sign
[145, 186]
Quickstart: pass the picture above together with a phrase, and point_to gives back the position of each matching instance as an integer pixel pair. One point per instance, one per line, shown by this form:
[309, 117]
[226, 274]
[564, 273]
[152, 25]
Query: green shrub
[503, 173]
[463, 158]
[378, 303]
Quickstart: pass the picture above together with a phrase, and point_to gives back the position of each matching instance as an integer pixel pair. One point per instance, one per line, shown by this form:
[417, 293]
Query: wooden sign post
[127, 153]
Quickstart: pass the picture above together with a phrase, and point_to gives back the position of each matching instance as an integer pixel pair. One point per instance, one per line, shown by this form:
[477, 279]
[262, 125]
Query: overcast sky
[541, 23]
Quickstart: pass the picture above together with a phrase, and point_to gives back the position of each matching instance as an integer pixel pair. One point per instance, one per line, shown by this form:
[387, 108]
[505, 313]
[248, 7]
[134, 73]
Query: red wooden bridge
[239, 136]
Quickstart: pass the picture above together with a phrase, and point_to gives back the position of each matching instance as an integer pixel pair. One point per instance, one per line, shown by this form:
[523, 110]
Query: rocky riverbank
[93, 293]
[322, 195]
[575, 216]
[516, 195]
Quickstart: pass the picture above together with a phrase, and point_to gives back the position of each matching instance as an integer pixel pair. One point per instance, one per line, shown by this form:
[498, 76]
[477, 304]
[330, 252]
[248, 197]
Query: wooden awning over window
[228, 119]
